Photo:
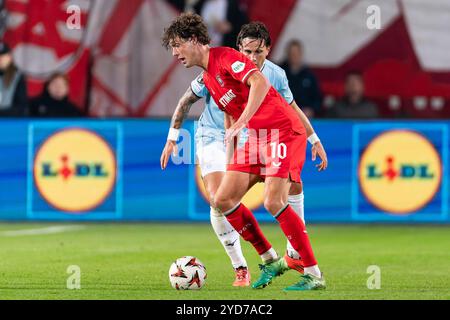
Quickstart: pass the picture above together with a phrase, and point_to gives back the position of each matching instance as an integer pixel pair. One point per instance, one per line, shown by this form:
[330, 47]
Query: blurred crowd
[53, 102]
[224, 19]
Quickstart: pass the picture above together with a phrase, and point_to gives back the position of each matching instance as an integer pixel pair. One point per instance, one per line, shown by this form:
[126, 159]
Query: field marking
[41, 231]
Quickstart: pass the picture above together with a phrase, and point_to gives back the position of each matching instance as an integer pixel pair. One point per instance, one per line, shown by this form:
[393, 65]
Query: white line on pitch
[40, 231]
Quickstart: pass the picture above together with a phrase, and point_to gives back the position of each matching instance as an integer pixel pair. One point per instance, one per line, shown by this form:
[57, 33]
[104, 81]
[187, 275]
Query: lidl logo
[400, 172]
[81, 169]
[404, 171]
[75, 170]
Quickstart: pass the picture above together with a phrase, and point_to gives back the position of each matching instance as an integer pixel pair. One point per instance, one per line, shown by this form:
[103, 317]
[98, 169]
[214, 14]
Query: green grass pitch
[131, 261]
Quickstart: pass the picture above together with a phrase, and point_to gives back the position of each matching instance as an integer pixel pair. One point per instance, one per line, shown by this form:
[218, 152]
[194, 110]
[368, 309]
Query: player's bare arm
[228, 122]
[259, 87]
[183, 108]
[317, 148]
[180, 113]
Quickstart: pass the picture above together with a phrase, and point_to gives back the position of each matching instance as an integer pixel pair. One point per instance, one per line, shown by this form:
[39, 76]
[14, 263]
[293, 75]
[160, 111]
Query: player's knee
[211, 194]
[220, 202]
[273, 205]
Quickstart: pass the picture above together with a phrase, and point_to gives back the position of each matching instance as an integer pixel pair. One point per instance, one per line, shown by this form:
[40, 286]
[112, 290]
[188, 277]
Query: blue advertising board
[379, 171]
[74, 169]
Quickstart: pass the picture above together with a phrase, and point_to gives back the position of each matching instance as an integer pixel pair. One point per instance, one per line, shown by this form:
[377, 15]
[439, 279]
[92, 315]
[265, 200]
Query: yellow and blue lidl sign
[379, 171]
[74, 171]
[399, 172]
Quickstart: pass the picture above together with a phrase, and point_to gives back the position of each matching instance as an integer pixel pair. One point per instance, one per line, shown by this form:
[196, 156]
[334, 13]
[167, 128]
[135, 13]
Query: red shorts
[280, 154]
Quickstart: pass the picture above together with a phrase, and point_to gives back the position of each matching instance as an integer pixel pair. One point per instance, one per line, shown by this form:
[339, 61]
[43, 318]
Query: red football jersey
[226, 79]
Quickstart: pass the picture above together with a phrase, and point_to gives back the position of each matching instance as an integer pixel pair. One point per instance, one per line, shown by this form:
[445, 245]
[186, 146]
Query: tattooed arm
[183, 107]
[180, 113]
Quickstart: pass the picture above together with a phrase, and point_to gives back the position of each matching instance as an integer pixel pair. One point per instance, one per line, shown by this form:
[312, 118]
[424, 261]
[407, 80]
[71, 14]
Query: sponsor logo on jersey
[219, 80]
[227, 98]
[200, 79]
[238, 66]
[400, 172]
[75, 170]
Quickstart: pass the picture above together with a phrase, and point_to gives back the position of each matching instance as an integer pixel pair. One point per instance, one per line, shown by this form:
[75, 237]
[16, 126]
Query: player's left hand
[169, 148]
[233, 131]
[318, 150]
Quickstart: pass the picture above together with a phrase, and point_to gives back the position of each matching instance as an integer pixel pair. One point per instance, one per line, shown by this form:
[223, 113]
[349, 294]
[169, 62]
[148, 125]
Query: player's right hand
[234, 130]
[170, 148]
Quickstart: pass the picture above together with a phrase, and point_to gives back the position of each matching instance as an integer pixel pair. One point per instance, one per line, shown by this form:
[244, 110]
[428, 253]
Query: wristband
[173, 134]
[313, 139]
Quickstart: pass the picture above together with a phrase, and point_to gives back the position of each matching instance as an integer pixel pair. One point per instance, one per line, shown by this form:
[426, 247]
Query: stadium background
[119, 70]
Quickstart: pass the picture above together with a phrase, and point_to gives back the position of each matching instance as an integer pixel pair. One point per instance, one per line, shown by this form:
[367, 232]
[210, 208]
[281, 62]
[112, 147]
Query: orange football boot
[294, 264]
[242, 277]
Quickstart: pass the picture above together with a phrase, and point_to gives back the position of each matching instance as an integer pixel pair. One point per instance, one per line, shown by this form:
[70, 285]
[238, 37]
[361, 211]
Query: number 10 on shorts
[279, 151]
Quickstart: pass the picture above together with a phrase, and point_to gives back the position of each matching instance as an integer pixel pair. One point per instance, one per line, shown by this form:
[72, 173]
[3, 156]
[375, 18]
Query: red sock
[243, 220]
[295, 230]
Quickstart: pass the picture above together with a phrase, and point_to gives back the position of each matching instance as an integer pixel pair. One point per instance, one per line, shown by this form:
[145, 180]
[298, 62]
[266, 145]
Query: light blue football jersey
[211, 122]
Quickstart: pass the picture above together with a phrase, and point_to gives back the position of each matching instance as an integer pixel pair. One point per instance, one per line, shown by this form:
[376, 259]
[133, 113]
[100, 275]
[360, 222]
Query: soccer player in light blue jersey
[253, 41]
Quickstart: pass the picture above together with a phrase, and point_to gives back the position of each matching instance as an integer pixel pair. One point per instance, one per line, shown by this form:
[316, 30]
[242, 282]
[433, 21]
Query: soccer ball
[187, 273]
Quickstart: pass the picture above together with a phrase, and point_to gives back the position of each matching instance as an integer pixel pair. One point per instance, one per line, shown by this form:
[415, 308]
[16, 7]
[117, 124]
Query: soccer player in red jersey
[248, 100]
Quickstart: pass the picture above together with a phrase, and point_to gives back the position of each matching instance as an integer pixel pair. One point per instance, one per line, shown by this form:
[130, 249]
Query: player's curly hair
[186, 26]
[254, 30]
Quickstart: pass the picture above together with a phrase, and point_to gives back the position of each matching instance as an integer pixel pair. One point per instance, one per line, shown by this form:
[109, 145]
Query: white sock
[229, 238]
[314, 270]
[269, 255]
[296, 202]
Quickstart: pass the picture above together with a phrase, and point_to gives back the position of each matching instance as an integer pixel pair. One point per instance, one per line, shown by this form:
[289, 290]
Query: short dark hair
[354, 73]
[186, 26]
[294, 43]
[254, 30]
[53, 77]
[4, 48]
